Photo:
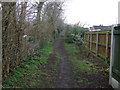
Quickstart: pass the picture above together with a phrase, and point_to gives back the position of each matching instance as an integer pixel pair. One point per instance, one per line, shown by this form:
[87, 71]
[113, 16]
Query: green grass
[28, 72]
[79, 64]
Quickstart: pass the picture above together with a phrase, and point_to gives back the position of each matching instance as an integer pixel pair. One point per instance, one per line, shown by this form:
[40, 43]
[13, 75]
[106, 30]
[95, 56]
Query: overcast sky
[91, 12]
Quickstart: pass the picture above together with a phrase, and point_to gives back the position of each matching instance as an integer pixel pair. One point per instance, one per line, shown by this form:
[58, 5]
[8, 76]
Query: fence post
[90, 41]
[97, 43]
[107, 34]
[111, 57]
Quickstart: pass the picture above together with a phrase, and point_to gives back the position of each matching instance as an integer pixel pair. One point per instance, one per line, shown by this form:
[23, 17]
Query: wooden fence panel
[99, 43]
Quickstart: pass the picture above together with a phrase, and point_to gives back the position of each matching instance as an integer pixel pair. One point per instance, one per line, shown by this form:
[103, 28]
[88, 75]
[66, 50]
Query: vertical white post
[111, 56]
[107, 34]
[97, 43]
[119, 12]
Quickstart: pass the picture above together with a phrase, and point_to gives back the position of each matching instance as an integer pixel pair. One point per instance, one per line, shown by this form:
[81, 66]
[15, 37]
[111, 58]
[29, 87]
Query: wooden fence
[99, 42]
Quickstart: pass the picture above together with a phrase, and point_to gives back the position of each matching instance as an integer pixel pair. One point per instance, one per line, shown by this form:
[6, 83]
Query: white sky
[91, 12]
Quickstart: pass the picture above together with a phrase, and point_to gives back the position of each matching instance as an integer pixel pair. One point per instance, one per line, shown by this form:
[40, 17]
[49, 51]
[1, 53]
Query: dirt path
[57, 71]
[65, 75]
[67, 79]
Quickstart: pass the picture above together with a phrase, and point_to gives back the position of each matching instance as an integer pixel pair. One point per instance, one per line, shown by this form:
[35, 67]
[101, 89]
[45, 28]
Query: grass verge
[35, 72]
[80, 64]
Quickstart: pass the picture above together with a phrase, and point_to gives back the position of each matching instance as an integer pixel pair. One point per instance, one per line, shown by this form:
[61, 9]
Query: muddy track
[65, 78]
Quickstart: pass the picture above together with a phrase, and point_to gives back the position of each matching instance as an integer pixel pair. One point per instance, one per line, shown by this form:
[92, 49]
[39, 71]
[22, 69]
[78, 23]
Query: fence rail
[99, 42]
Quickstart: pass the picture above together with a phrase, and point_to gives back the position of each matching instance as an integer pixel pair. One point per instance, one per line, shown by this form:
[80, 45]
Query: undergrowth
[28, 73]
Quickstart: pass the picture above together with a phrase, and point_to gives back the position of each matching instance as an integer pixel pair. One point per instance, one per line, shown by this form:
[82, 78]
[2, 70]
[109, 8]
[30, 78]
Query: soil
[50, 69]
[65, 76]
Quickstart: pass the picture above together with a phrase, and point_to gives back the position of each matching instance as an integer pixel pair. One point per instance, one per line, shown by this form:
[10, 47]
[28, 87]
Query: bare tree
[26, 27]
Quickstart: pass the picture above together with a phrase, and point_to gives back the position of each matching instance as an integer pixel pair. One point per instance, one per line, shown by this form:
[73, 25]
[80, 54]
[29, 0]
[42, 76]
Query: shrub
[75, 35]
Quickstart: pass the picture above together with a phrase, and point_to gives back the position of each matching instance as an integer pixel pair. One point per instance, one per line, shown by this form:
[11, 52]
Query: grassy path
[59, 65]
